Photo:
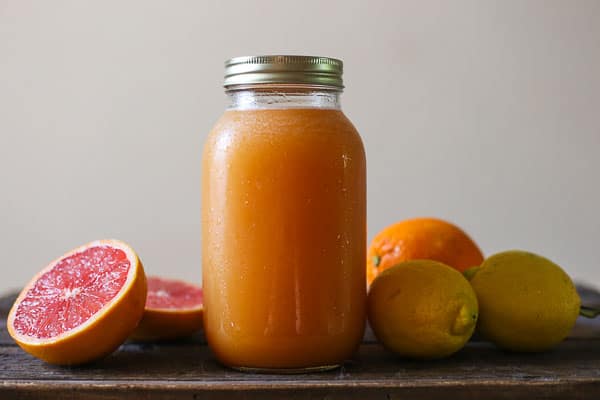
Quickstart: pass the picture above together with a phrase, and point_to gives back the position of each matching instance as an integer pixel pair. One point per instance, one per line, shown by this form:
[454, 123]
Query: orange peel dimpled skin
[422, 239]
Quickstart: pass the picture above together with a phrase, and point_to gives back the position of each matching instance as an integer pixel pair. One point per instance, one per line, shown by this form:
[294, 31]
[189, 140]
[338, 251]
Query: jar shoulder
[317, 126]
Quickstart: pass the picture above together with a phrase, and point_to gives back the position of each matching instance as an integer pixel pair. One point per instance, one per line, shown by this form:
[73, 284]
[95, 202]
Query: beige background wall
[486, 113]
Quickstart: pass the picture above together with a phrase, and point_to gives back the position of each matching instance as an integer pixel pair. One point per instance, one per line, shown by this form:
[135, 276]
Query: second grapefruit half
[173, 310]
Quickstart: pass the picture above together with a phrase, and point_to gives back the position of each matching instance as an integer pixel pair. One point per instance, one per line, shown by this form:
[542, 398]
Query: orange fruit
[82, 306]
[425, 239]
[173, 310]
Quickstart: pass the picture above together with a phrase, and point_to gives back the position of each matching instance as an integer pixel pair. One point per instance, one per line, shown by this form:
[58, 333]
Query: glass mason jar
[283, 219]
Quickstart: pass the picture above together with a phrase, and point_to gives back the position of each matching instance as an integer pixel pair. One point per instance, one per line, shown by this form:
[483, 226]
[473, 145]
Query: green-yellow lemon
[422, 309]
[527, 302]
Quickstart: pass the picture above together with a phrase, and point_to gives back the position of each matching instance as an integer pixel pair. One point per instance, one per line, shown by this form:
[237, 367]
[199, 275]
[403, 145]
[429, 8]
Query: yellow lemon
[422, 309]
[527, 303]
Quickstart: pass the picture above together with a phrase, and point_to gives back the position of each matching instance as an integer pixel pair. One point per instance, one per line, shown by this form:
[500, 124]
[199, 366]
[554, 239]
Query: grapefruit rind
[104, 331]
[164, 324]
[159, 324]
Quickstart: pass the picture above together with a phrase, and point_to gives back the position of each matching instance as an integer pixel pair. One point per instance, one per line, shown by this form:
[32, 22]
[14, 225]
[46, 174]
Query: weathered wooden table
[188, 370]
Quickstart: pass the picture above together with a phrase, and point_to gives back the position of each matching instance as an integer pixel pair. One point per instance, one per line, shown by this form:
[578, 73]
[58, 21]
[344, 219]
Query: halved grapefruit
[173, 310]
[82, 306]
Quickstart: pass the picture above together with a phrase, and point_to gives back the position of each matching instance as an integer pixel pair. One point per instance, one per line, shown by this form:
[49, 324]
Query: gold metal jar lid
[282, 69]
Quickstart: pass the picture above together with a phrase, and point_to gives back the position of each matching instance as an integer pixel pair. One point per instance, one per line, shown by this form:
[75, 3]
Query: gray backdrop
[486, 113]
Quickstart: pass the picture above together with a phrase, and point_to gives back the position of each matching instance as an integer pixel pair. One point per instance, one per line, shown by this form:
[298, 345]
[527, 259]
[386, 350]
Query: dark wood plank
[163, 371]
[110, 390]
[6, 302]
[478, 361]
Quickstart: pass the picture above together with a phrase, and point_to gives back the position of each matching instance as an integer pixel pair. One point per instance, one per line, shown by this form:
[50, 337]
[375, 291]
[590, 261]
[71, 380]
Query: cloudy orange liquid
[284, 238]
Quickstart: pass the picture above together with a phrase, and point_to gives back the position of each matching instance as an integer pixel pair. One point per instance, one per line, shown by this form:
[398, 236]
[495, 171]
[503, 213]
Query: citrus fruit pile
[421, 306]
[85, 304]
[430, 288]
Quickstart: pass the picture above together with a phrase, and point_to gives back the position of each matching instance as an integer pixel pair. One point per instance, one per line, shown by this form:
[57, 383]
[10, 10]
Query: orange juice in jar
[283, 219]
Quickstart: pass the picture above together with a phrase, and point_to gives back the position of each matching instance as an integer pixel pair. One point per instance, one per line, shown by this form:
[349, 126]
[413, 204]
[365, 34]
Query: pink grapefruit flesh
[82, 306]
[172, 294]
[67, 295]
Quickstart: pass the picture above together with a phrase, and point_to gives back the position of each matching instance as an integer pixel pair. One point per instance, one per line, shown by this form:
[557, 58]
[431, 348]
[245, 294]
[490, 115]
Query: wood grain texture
[188, 370]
